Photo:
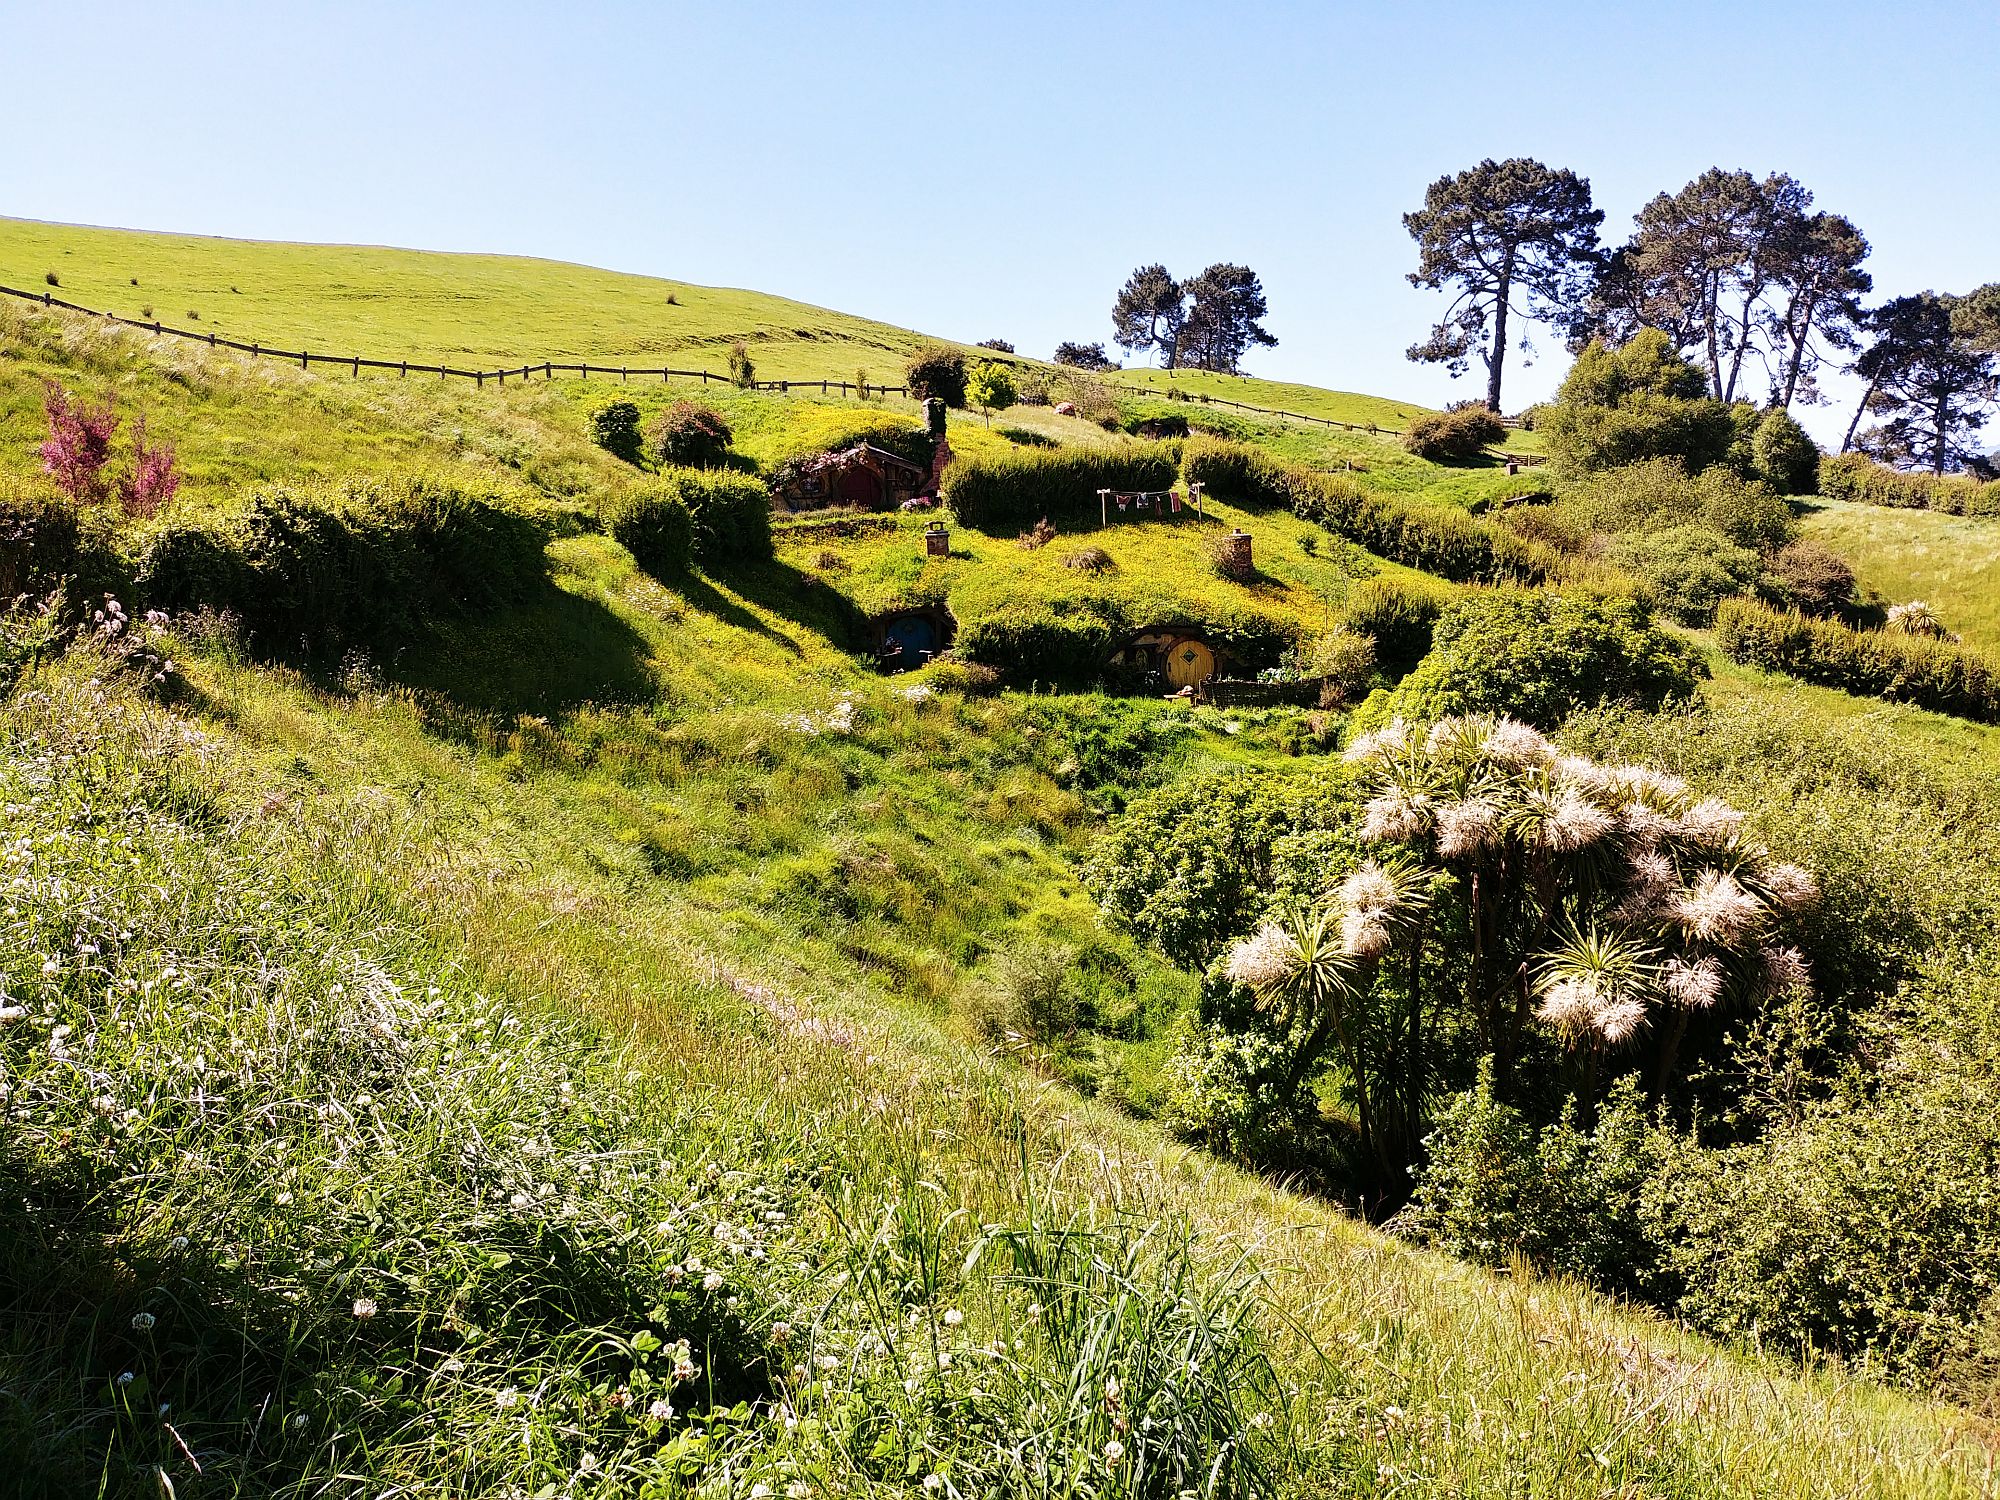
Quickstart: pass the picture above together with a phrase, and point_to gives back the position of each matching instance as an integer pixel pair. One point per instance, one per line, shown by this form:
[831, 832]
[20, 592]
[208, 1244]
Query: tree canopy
[1931, 384]
[1514, 238]
[1207, 322]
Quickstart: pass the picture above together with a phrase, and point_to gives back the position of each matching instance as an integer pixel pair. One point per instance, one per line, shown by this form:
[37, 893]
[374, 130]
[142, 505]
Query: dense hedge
[1930, 673]
[1400, 615]
[46, 543]
[729, 515]
[316, 570]
[1441, 539]
[1447, 435]
[1029, 644]
[1010, 492]
[1855, 476]
[654, 526]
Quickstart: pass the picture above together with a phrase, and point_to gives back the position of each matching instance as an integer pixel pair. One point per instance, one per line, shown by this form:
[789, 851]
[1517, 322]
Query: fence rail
[549, 369]
[356, 363]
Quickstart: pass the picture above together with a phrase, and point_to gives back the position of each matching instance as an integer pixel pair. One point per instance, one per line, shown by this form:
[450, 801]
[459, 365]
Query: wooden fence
[549, 369]
[354, 363]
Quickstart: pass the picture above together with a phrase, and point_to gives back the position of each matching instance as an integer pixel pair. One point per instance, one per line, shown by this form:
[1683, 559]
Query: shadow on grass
[801, 599]
[548, 656]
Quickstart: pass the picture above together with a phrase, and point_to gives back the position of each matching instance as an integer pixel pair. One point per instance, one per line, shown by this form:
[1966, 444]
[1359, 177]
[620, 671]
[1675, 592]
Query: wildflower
[780, 1331]
[1364, 934]
[797, 1490]
[9, 1014]
[760, 1491]
[1695, 984]
[712, 1282]
[1789, 886]
[1261, 1420]
[1513, 743]
[909, 1388]
[1712, 822]
[934, 1482]
[520, 1201]
[1786, 971]
[1718, 909]
[1113, 1451]
[1111, 1388]
[953, 1317]
[661, 1411]
[50, 968]
[1467, 827]
[124, 1378]
[508, 1399]
[826, 1362]
[143, 1322]
[364, 1308]
[1379, 745]
[1265, 959]
[1395, 814]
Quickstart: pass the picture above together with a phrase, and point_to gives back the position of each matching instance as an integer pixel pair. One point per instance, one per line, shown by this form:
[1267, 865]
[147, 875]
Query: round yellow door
[1188, 663]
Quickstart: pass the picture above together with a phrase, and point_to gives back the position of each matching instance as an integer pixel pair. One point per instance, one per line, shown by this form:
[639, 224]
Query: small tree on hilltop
[1932, 383]
[937, 370]
[1083, 356]
[990, 387]
[998, 346]
[1149, 313]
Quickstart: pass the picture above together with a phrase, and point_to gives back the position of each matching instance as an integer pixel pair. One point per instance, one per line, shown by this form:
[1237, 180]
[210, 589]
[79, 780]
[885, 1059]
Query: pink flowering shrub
[78, 445]
[153, 480]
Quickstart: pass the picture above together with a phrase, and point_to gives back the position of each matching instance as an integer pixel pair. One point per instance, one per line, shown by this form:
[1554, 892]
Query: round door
[910, 639]
[1189, 662]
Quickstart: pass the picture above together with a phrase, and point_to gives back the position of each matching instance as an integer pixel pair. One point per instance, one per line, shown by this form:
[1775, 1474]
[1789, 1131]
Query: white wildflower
[1786, 971]
[1379, 745]
[712, 1282]
[760, 1491]
[1467, 827]
[1790, 886]
[1695, 985]
[661, 1410]
[953, 1317]
[934, 1482]
[364, 1308]
[143, 1322]
[1712, 822]
[1513, 743]
[1395, 814]
[1264, 959]
[1718, 909]
[1113, 1451]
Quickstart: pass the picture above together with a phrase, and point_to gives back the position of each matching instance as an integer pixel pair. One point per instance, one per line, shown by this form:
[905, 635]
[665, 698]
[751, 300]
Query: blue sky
[989, 171]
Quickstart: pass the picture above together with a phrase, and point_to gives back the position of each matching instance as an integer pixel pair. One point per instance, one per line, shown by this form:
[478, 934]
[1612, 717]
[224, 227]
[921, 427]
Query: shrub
[1855, 476]
[154, 479]
[1343, 657]
[1189, 866]
[729, 515]
[936, 370]
[990, 387]
[614, 427]
[1688, 570]
[45, 542]
[1027, 644]
[1811, 577]
[1083, 356]
[654, 526]
[1441, 539]
[1930, 673]
[318, 571]
[689, 435]
[1783, 456]
[1642, 400]
[742, 373]
[1538, 655]
[953, 674]
[78, 446]
[1660, 493]
[1400, 616]
[1006, 492]
[1445, 436]
[1090, 560]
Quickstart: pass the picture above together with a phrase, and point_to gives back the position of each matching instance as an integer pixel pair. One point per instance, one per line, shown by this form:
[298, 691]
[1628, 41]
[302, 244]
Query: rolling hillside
[1953, 562]
[467, 1019]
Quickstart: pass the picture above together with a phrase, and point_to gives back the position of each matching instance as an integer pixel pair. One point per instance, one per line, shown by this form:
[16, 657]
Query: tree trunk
[1496, 360]
[1937, 444]
[1801, 335]
[1848, 441]
[1742, 344]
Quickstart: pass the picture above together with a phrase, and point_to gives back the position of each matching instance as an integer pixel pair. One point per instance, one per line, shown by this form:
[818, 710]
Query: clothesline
[1128, 498]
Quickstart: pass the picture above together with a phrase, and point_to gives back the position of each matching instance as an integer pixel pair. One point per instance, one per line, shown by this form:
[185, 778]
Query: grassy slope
[1951, 561]
[612, 863]
[1496, 1385]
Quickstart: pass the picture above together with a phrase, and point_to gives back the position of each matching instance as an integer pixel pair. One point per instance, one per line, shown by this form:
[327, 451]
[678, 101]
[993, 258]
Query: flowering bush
[78, 446]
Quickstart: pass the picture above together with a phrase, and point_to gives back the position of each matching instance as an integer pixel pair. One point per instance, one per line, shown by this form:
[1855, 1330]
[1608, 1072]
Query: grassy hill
[1951, 561]
[410, 1049]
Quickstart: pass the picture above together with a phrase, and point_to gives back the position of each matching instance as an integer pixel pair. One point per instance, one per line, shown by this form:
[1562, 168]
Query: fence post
[480, 376]
[357, 367]
[211, 341]
[304, 358]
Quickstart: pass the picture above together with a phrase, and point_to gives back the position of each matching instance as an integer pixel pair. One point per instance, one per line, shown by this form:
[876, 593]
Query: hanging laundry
[1175, 500]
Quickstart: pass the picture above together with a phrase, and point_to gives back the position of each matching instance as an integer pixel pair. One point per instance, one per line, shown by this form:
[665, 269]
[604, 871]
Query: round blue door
[910, 640]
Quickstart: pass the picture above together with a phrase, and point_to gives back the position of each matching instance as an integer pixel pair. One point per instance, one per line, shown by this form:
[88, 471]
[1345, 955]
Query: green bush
[1642, 400]
[1005, 493]
[1783, 456]
[1400, 614]
[1811, 577]
[46, 542]
[1441, 539]
[936, 370]
[1538, 655]
[1027, 644]
[1688, 570]
[1660, 493]
[1445, 436]
[316, 571]
[729, 514]
[654, 526]
[1855, 476]
[614, 427]
[689, 435]
[742, 373]
[1930, 673]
